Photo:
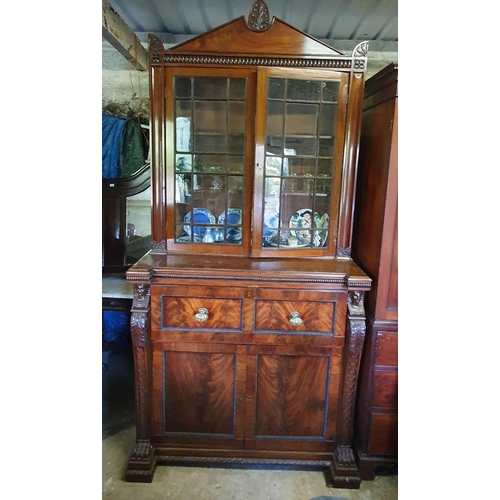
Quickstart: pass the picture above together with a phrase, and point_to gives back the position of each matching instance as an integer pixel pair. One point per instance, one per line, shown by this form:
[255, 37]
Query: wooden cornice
[122, 38]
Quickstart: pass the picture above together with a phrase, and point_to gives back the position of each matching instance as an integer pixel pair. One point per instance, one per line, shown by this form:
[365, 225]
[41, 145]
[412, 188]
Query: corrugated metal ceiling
[176, 20]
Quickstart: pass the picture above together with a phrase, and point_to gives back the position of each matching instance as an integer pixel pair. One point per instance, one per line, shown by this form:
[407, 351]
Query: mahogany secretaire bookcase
[248, 317]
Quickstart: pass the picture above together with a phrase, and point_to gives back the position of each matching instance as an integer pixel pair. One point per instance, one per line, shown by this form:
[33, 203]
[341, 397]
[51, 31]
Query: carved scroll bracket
[156, 48]
[258, 17]
[344, 469]
[359, 57]
[355, 338]
[139, 330]
[142, 462]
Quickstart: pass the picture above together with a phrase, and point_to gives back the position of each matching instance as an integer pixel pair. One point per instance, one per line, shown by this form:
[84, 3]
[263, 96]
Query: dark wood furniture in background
[248, 314]
[118, 253]
[375, 248]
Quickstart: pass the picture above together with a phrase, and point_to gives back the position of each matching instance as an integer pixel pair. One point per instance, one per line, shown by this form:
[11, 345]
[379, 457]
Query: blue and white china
[198, 216]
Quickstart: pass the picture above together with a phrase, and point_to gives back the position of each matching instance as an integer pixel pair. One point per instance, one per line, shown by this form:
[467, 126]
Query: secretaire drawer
[301, 312]
[193, 308]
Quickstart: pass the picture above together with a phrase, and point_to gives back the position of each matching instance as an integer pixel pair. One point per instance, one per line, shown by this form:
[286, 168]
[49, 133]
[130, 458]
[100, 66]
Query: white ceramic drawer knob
[202, 315]
[295, 319]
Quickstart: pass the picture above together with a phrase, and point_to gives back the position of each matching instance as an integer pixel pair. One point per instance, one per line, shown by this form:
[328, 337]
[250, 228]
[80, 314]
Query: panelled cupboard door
[280, 398]
[292, 396]
[198, 394]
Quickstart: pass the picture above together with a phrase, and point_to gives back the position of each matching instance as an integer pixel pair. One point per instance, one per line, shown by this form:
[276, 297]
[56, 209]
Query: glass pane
[301, 119]
[235, 164]
[325, 167]
[272, 191]
[183, 162]
[235, 191]
[236, 138]
[237, 88]
[303, 90]
[301, 145]
[273, 165]
[138, 225]
[275, 120]
[302, 166]
[182, 188]
[210, 163]
[183, 125]
[183, 87]
[210, 88]
[276, 88]
[327, 120]
[210, 126]
[330, 91]
[326, 147]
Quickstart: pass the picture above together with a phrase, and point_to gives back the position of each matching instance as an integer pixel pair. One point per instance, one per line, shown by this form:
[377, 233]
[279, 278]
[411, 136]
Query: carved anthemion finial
[258, 17]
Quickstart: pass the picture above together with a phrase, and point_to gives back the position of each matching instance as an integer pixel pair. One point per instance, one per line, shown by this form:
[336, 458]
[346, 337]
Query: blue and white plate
[231, 217]
[198, 216]
[270, 223]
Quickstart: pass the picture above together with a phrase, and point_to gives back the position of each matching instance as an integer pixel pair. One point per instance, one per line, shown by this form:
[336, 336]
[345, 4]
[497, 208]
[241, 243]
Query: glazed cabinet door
[300, 130]
[292, 395]
[198, 394]
[209, 158]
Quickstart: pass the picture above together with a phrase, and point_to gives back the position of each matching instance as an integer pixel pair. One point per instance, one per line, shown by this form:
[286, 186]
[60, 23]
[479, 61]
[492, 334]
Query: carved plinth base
[344, 471]
[142, 463]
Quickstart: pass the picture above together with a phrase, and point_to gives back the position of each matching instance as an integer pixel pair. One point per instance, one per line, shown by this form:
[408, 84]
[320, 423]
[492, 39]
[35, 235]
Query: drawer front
[274, 315]
[385, 389]
[182, 312]
[383, 434]
[191, 309]
[387, 349]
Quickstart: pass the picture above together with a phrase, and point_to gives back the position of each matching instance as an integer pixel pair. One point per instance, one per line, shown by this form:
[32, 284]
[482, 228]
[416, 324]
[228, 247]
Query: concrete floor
[194, 483]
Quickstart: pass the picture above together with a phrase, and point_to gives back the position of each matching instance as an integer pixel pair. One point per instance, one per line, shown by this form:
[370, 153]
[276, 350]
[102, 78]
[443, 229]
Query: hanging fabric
[112, 131]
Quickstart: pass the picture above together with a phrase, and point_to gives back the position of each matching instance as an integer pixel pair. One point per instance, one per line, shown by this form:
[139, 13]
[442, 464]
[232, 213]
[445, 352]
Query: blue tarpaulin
[112, 131]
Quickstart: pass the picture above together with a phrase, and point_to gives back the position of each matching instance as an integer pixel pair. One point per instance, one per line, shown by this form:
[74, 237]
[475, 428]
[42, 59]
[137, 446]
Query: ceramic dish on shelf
[198, 216]
[231, 217]
[233, 234]
[287, 243]
[301, 223]
[187, 239]
[271, 224]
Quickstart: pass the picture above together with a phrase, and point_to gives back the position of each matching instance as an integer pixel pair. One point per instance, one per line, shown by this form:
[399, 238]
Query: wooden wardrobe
[375, 249]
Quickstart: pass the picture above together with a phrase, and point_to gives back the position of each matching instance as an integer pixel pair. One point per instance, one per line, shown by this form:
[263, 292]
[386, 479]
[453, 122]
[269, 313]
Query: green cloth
[132, 149]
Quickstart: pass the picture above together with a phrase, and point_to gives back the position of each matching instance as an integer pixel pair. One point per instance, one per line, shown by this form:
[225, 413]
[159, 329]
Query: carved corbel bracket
[344, 469]
[142, 463]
